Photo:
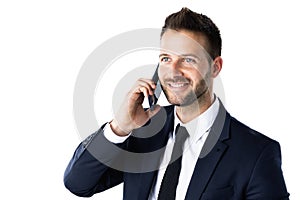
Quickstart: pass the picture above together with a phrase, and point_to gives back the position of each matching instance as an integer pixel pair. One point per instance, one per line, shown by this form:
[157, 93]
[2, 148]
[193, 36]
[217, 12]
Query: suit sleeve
[267, 180]
[88, 171]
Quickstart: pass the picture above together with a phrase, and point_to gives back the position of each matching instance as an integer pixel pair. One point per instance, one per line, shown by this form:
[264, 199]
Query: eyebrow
[163, 54]
[182, 55]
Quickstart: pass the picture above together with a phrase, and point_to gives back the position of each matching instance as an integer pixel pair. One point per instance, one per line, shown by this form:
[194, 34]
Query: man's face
[185, 71]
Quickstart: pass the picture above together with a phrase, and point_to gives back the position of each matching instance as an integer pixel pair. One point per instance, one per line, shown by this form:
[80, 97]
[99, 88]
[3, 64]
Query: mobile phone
[154, 98]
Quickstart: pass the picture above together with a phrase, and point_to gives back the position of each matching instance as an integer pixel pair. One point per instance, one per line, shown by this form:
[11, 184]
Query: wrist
[116, 128]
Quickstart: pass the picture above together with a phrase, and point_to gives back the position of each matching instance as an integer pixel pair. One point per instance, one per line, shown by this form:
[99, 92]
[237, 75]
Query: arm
[86, 173]
[267, 180]
[90, 170]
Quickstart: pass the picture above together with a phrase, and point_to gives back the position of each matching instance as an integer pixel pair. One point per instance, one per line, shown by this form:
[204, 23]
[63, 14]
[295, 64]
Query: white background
[44, 44]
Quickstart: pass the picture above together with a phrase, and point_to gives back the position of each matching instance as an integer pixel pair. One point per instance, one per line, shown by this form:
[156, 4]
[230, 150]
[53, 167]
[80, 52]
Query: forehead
[183, 42]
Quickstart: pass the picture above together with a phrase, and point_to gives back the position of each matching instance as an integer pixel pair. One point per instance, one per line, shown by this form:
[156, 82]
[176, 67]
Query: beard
[191, 95]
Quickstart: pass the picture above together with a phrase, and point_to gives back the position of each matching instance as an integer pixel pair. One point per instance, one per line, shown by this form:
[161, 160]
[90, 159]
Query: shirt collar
[201, 124]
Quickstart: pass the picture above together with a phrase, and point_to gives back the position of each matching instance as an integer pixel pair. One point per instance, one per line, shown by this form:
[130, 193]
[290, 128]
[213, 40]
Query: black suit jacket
[242, 163]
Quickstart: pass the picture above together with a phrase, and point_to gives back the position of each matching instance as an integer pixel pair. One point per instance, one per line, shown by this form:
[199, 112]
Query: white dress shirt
[198, 130]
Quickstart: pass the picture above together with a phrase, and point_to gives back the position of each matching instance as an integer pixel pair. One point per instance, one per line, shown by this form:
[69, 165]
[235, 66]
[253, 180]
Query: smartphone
[154, 98]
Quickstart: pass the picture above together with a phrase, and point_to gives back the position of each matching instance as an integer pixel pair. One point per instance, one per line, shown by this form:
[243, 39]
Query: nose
[176, 67]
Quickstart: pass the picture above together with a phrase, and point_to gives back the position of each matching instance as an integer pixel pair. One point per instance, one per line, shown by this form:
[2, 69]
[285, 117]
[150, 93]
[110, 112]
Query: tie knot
[181, 133]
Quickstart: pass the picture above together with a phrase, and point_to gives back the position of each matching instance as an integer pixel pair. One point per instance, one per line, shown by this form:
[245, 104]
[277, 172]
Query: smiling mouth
[177, 85]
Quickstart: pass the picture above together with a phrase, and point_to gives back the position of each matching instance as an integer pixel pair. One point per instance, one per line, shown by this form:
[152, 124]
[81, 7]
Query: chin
[180, 99]
[184, 101]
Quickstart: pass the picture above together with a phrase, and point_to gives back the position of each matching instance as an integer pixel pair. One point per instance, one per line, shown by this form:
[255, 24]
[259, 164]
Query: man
[222, 158]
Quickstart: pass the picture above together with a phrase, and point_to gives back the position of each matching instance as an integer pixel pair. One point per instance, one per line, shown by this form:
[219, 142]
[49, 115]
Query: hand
[131, 114]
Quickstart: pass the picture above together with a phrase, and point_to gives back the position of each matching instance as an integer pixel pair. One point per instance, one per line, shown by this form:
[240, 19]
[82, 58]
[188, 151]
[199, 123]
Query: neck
[189, 112]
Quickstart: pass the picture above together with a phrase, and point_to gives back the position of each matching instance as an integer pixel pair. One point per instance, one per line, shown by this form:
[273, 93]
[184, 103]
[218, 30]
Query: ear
[217, 66]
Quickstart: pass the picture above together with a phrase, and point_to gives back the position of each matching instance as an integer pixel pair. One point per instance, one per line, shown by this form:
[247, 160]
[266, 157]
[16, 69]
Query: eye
[189, 60]
[165, 59]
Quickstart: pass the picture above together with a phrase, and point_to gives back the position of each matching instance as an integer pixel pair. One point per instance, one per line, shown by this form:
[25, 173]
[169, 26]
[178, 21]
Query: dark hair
[186, 19]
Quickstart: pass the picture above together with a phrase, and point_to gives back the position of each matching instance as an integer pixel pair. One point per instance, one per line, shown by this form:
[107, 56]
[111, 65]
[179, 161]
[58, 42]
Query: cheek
[203, 67]
[202, 72]
[162, 72]
[196, 75]
[199, 77]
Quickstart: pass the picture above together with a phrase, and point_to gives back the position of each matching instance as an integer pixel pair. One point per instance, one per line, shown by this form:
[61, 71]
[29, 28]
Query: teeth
[177, 85]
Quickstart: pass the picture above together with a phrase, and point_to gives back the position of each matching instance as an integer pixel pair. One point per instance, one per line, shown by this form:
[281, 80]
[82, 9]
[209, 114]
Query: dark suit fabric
[243, 164]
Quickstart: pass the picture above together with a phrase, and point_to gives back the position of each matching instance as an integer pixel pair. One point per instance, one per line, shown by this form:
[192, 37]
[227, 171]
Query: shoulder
[240, 129]
[249, 139]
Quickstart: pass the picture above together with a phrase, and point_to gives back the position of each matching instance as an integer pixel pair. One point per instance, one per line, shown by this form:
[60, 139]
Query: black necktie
[170, 180]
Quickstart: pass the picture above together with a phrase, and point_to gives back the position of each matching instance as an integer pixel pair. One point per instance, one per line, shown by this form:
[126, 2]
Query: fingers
[131, 114]
[145, 86]
[144, 91]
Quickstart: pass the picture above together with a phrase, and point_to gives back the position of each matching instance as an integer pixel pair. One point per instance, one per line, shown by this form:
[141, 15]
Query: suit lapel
[210, 155]
[203, 171]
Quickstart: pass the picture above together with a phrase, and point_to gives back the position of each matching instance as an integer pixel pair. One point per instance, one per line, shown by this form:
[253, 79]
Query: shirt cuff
[111, 136]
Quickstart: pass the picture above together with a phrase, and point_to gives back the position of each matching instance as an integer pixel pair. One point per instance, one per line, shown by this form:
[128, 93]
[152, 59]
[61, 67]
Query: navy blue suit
[243, 164]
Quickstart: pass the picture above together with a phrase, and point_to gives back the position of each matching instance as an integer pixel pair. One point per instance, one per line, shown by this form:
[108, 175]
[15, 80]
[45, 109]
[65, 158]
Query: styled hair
[186, 19]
